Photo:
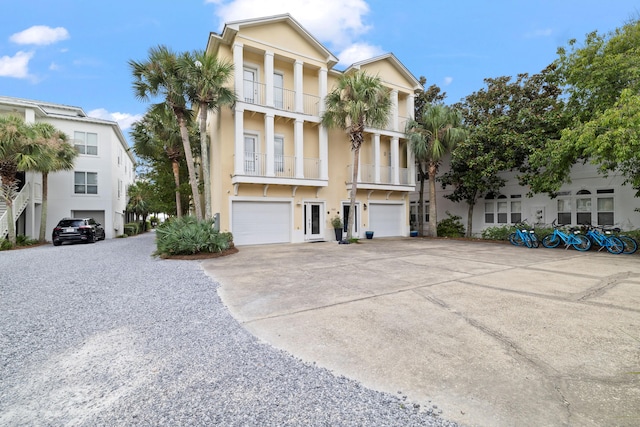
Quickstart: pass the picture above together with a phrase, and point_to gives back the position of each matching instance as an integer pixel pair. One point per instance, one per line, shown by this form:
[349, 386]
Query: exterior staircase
[19, 205]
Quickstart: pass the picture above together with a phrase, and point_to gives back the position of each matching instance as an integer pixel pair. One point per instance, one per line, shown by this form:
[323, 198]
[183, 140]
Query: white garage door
[97, 215]
[255, 223]
[386, 220]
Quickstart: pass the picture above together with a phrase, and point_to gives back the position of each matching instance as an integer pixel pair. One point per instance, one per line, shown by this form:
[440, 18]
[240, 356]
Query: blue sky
[75, 52]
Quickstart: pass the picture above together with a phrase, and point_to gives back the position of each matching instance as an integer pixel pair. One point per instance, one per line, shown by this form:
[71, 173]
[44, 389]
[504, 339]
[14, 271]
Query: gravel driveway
[104, 334]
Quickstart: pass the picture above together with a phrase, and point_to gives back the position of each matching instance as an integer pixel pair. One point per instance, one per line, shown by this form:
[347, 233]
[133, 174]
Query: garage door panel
[386, 220]
[255, 223]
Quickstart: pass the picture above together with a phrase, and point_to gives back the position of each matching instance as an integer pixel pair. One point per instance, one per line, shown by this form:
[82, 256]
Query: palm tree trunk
[354, 190]
[184, 133]
[175, 165]
[433, 220]
[206, 170]
[43, 214]
[421, 205]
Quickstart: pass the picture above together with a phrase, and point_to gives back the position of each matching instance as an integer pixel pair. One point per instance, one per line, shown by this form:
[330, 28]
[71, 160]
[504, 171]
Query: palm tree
[56, 154]
[358, 100]
[158, 134]
[18, 152]
[206, 77]
[160, 76]
[431, 137]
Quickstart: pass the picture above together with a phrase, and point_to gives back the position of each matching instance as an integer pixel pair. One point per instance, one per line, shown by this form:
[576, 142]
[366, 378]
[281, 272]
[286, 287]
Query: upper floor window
[85, 183]
[86, 143]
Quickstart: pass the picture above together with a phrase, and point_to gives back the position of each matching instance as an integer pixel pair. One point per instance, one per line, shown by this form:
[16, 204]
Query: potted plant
[336, 222]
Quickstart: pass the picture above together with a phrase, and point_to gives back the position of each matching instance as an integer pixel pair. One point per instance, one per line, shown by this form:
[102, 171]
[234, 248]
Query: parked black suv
[77, 230]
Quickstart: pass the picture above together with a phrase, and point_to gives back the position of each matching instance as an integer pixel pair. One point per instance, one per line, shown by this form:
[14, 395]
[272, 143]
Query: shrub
[132, 228]
[187, 236]
[498, 233]
[451, 227]
[5, 245]
[22, 240]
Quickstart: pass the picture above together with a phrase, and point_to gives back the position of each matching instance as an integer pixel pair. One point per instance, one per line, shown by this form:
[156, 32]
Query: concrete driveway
[492, 334]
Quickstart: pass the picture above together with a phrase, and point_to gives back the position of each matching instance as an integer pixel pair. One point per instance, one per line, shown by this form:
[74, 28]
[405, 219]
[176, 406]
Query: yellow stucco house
[278, 175]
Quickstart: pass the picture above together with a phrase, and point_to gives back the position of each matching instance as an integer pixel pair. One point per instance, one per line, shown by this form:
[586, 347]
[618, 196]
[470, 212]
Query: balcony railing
[19, 203]
[283, 99]
[255, 164]
[368, 175]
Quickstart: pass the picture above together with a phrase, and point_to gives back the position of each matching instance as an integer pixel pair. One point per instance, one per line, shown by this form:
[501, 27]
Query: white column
[411, 167]
[238, 166]
[238, 66]
[395, 160]
[269, 139]
[322, 88]
[297, 82]
[298, 137]
[411, 99]
[394, 110]
[376, 157]
[268, 77]
[324, 152]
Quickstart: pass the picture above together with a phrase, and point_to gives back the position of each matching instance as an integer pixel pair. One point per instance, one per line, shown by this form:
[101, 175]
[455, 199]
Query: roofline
[231, 29]
[404, 70]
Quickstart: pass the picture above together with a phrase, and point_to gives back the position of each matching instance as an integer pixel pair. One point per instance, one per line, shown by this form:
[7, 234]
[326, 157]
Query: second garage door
[386, 220]
[255, 223]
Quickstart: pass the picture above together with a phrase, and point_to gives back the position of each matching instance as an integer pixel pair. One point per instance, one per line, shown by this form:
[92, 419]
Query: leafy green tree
[139, 194]
[358, 100]
[55, 154]
[18, 152]
[426, 97]
[156, 138]
[602, 81]
[159, 75]
[507, 121]
[206, 83]
[431, 136]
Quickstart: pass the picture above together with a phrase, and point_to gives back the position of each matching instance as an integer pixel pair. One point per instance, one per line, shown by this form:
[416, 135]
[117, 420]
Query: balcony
[284, 171]
[385, 177]
[283, 99]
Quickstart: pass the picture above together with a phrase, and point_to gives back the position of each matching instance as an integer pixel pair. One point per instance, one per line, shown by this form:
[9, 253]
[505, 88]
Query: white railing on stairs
[19, 204]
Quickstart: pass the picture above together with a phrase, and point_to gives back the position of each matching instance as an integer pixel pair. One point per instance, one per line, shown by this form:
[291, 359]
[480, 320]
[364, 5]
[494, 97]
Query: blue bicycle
[524, 236]
[580, 242]
[604, 239]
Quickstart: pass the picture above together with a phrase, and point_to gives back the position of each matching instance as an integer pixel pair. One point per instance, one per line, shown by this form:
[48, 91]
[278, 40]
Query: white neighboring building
[589, 198]
[97, 187]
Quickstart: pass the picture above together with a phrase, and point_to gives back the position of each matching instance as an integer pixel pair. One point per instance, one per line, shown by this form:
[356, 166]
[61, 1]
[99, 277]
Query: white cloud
[124, 120]
[448, 80]
[40, 35]
[54, 67]
[337, 22]
[543, 32]
[358, 52]
[16, 66]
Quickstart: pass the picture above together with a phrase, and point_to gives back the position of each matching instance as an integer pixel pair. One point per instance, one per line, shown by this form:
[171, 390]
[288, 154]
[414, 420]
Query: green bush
[187, 236]
[451, 227]
[22, 240]
[635, 234]
[132, 228]
[498, 233]
[5, 245]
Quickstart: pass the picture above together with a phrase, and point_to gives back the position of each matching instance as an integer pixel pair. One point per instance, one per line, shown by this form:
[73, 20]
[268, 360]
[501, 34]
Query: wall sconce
[365, 206]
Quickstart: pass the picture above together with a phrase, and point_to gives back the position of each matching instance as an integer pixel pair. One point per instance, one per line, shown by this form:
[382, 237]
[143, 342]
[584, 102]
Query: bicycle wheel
[614, 245]
[515, 239]
[630, 245]
[551, 241]
[581, 242]
[534, 240]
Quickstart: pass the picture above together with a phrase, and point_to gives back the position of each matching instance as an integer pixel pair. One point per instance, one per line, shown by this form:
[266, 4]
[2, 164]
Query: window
[502, 209]
[489, 210]
[516, 209]
[564, 211]
[86, 143]
[278, 154]
[250, 85]
[85, 183]
[119, 187]
[605, 207]
[278, 90]
[583, 207]
[119, 156]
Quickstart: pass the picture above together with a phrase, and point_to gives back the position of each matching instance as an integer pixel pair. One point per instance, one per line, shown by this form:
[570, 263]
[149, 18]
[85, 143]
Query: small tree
[359, 100]
[431, 137]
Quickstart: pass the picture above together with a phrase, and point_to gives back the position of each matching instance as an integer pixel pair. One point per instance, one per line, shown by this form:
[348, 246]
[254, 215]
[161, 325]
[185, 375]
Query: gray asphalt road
[104, 334]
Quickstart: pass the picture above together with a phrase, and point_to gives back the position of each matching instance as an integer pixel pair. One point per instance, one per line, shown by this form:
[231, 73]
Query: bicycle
[630, 244]
[579, 241]
[604, 239]
[524, 236]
